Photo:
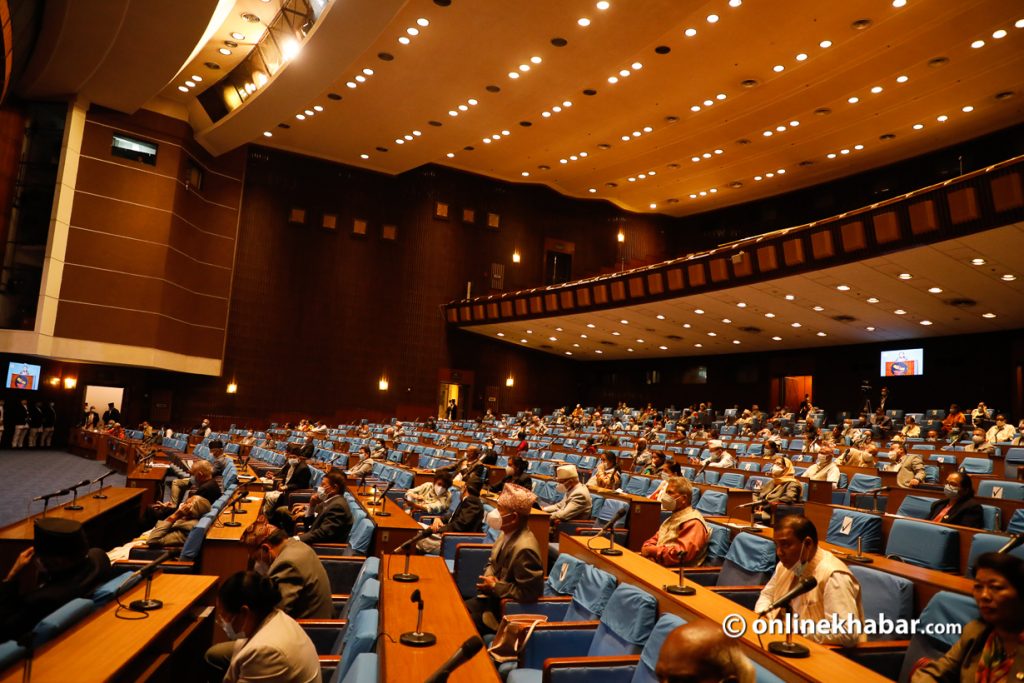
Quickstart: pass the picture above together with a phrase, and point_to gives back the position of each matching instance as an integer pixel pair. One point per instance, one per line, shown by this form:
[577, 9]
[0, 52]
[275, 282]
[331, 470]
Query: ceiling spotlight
[727, 321]
[712, 334]
[776, 338]
[905, 276]
[403, 40]
[872, 300]
[999, 34]
[268, 134]
[741, 304]
[690, 32]
[583, 21]
[603, 5]
[238, 36]
[988, 315]
[686, 325]
[935, 290]
[977, 262]
[735, 341]
[926, 322]
[699, 311]
[224, 51]
[843, 288]
[735, 3]
[825, 44]
[902, 79]
[423, 22]
[795, 325]
[412, 31]
[699, 346]
[182, 88]
[801, 57]
[978, 43]
[778, 68]
[1008, 277]
[822, 334]
[769, 315]
[870, 329]
[853, 100]
[900, 311]
[624, 322]
[819, 309]
[660, 316]
[790, 297]
[712, 18]
[552, 338]
[639, 341]
[968, 109]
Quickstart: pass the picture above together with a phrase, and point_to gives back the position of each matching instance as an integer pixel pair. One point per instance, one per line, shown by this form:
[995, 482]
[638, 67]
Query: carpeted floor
[29, 473]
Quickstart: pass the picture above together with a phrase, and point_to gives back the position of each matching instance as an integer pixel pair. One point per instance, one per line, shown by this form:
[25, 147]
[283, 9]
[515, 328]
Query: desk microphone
[74, 501]
[233, 504]
[679, 588]
[804, 585]
[1014, 541]
[145, 572]
[418, 638]
[99, 480]
[384, 500]
[860, 556]
[465, 653]
[405, 576]
[787, 648]
[48, 496]
[608, 527]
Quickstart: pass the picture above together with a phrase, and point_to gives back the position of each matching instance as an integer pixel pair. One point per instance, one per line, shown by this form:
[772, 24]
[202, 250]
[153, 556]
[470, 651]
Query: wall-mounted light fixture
[54, 381]
[621, 236]
[232, 388]
[70, 382]
[510, 381]
[382, 383]
[516, 258]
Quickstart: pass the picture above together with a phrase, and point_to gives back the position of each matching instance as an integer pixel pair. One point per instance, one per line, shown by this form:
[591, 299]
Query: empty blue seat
[563, 577]
[712, 503]
[994, 488]
[988, 543]
[750, 561]
[976, 465]
[61, 619]
[846, 526]
[644, 672]
[884, 595]
[915, 506]
[924, 544]
[733, 480]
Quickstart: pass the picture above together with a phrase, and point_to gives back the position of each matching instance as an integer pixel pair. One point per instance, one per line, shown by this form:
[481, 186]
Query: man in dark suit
[490, 456]
[467, 517]
[328, 519]
[959, 506]
[69, 569]
[111, 414]
[514, 570]
[294, 476]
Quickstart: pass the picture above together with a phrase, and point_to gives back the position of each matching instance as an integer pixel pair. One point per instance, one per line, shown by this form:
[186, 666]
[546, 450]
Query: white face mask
[801, 563]
[439, 490]
[293, 461]
[230, 631]
[777, 470]
[668, 503]
[822, 460]
[493, 519]
[320, 493]
[560, 487]
[261, 567]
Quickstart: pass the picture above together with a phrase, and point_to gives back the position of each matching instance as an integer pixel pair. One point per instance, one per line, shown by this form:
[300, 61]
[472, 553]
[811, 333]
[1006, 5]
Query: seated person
[837, 591]
[515, 473]
[682, 539]
[911, 429]
[293, 566]
[979, 443]
[220, 460]
[294, 476]
[432, 496]
[959, 507]
[653, 465]
[490, 456]
[575, 500]
[824, 468]
[1000, 432]
[699, 652]
[641, 456]
[991, 648]
[856, 457]
[783, 488]
[668, 470]
[203, 484]
[955, 418]
[909, 467]
[468, 517]
[514, 570]
[720, 458]
[364, 463]
[979, 416]
[172, 531]
[883, 422]
[268, 644]
[67, 568]
[327, 516]
[469, 467]
[606, 474]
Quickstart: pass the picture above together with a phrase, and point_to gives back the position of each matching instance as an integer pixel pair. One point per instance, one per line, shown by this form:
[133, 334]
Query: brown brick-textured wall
[149, 256]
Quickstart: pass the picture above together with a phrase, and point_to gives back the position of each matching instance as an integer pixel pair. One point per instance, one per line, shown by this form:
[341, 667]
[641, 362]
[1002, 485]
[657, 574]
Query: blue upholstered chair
[924, 544]
[846, 526]
[943, 609]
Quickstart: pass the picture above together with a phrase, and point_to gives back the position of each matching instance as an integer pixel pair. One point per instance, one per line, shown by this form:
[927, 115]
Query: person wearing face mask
[837, 591]
[67, 569]
[979, 444]
[720, 458]
[911, 429]
[268, 644]
[432, 496]
[909, 467]
[991, 648]
[654, 465]
[682, 539]
[959, 505]
[294, 476]
[1000, 432]
[175, 529]
[514, 570]
[467, 517]
[490, 456]
[575, 501]
[857, 457]
[606, 474]
[328, 518]
[782, 489]
[515, 473]
[824, 468]
[669, 469]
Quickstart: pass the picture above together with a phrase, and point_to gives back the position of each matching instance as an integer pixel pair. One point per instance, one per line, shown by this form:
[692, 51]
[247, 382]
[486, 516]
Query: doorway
[100, 397]
[794, 390]
[449, 392]
[558, 261]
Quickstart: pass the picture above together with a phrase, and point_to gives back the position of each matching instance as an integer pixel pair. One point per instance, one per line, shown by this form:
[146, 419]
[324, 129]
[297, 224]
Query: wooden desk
[822, 665]
[644, 516]
[444, 615]
[223, 553]
[391, 531]
[108, 522]
[927, 582]
[170, 641]
[151, 483]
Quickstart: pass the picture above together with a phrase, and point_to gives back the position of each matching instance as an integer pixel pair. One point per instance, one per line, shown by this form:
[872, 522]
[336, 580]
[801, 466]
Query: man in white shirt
[720, 458]
[575, 500]
[1001, 431]
[825, 468]
[911, 429]
[837, 591]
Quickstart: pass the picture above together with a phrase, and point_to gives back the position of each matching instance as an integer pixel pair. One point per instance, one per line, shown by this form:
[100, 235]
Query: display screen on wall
[23, 376]
[902, 363]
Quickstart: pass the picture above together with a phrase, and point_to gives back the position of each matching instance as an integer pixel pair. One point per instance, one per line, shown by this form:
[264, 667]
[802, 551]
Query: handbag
[512, 634]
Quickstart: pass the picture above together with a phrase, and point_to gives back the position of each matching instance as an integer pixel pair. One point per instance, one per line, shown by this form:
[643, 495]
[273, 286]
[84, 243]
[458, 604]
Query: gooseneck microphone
[802, 586]
[384, 501]
[146, 572]
[73, 505]
[787, 648]
[610, 530]
[418, 638]
[465, 653]
[405, 576]
[99, 480]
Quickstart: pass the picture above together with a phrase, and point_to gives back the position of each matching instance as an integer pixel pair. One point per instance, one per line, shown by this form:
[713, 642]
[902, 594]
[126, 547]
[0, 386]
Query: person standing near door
[22, 421]
[49, 424]
[35, 423]
[453, 409]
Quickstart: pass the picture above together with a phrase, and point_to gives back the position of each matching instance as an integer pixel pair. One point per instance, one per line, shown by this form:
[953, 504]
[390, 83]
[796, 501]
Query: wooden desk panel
[151, 483]
[391, 531]
[644, 516]
[223, 553]
[105, 648]
[822, 665]
[108, 522]
[444, 615]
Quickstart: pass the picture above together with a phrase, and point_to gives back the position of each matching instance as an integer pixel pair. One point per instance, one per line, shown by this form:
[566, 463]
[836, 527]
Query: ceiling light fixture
[977, 262]
[1008, 277]
[790, 297]
[900, 311]
[926, 322]
[776, 338]
[843, 288]
[583, 21]
[988, 315]
[935, 290]
[905, 276]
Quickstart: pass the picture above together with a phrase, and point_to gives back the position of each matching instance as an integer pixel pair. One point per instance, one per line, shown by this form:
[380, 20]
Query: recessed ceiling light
[639, 341]
[583, 336]
[918, 126]
[663, 348]
[699, 311]
[412, 31]
[790, 297]
[1008, 277]
[529, 332]
[778, 68]
[801, 57]
[741, 304]
[822, 334]
[583, 21]
[552, 338]
[630, 350]
[877, 89]
[899, 3]
[712, 334]
[977, 261]
[843, 288]
[870, 329]
[523, 341]
[988, 315]
[769, 315]
[558, 329]
[660, 316]
[624, 322]
[900, 311]
[598, 351]
[735, 341]
[568, 353]
[935, 290]
[819, 308]
[182, 88]
[727, 321]
[603, 5]
[690, 32]
[364, 156]
[423, 22]
[872, 300]
[735, 3]
[905, 276]
[902, 79]
[795, 325]
[968, 109]
[403, 40]
[776, 338]
[300, 117]
[978, 43]
[942, 119]
[853, 100]
[712, 18]
[686, 325]
[450, 155]
[224, 51]
[825, 44]
[590, 325]
[926, 322]
[699, 346]
[501, 334]
[268, 134]
[615, 334]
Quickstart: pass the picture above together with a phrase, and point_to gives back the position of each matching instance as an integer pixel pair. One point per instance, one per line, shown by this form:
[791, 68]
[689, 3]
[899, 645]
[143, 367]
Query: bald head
[700, 652]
